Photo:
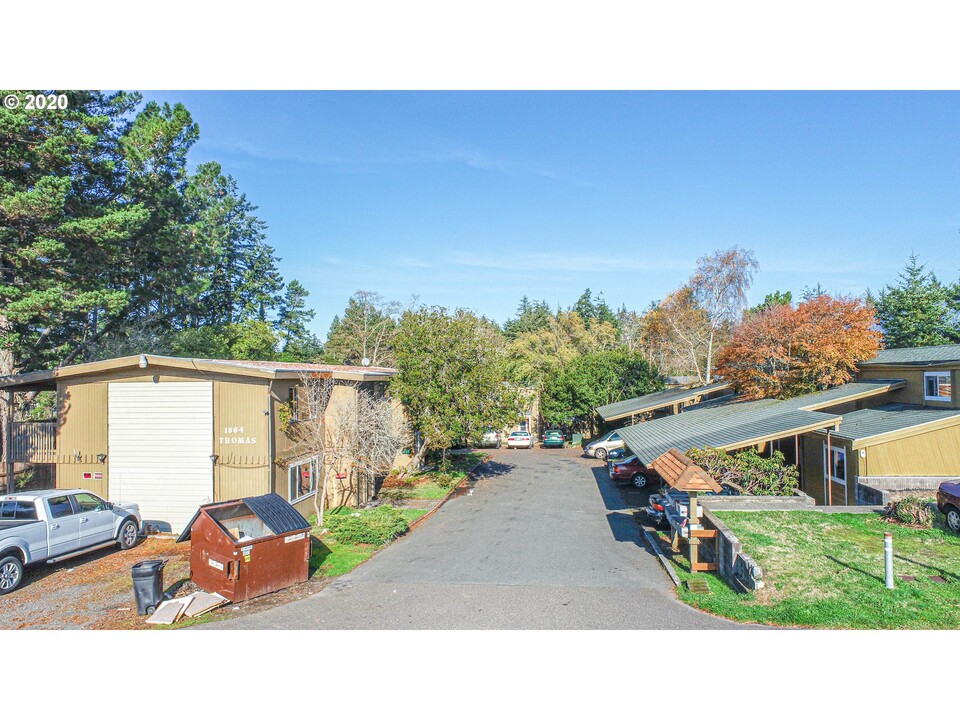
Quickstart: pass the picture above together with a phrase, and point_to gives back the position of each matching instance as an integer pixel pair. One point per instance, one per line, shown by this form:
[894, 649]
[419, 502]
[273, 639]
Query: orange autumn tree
[784, 351]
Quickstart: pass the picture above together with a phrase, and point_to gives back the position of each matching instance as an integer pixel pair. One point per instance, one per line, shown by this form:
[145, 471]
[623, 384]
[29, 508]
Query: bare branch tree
[720, 287]
[365, 331]
[354, 432]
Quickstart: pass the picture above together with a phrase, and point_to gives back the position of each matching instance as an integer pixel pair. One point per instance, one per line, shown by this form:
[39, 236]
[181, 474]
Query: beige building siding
[243, 468]
[81, 436]
[913, 393]
[935, 454]
[252, 451]
[241, 438]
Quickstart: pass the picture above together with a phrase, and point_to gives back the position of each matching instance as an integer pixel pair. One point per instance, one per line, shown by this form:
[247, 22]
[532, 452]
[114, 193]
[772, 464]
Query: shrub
[755, 474]
[912, 510]
[394, 493]
[447, 479]
[370, 527]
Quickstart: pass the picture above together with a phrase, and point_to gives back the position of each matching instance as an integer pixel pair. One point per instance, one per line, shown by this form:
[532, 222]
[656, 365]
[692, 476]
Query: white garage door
[161, 439]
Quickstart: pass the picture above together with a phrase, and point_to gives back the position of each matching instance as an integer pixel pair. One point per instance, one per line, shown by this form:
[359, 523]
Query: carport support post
[8, 444]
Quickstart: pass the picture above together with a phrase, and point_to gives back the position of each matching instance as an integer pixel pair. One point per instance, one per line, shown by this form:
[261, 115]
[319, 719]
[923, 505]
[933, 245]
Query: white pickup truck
[54, 525]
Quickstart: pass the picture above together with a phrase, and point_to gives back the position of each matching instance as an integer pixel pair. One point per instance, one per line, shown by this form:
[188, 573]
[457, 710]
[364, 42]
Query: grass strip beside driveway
[827, 571]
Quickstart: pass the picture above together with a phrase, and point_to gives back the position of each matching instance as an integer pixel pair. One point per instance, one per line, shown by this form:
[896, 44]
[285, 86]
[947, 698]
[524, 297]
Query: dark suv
[948, 502]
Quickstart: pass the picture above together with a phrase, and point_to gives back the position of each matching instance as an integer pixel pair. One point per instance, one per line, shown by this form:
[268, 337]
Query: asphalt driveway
[543, 541]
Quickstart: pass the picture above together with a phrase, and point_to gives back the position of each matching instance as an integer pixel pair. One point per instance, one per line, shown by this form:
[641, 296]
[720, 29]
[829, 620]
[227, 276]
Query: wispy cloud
[367, 163]
[522, 261]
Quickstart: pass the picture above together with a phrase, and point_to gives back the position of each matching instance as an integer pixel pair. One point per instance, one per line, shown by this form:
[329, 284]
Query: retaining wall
[798, 501]
[881, 490]
[739, 570]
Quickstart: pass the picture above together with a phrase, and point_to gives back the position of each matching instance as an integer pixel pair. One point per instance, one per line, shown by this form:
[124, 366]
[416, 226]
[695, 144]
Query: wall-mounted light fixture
[143, 361]
[101, 457]
[213, 459]
[76, 455]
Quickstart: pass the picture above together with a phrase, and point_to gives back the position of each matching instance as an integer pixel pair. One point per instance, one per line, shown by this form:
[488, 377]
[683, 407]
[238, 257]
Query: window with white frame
[302, 477]
[836, 464]
[936, 386]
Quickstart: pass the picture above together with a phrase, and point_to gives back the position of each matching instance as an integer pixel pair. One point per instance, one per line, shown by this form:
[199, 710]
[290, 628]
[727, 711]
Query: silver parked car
[491, 438]
[600, 448]
[54, 525]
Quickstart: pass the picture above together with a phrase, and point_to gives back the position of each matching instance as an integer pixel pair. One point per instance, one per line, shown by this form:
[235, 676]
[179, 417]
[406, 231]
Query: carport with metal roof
[731, 426]
[674, 398]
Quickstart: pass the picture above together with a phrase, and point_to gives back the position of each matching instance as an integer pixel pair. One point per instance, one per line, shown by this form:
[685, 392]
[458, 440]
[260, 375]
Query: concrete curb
[655, 546]
[443, 500]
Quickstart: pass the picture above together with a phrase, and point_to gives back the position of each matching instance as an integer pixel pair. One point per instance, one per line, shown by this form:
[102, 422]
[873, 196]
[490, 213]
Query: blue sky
[474, 199]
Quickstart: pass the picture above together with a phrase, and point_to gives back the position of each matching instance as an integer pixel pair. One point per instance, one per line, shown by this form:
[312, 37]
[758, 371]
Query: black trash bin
[148, 585]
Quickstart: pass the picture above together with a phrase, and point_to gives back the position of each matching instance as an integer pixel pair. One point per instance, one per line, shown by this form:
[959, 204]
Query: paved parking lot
[542, 541]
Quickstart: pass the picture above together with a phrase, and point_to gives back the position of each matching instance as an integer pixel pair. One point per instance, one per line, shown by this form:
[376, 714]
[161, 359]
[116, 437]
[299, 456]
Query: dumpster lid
[275, 512]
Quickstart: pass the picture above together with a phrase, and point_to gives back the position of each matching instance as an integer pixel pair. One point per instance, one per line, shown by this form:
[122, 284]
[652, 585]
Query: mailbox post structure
[682, 474]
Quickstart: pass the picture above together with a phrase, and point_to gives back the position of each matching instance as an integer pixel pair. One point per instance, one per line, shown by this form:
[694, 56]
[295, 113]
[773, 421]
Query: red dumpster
[249, 547]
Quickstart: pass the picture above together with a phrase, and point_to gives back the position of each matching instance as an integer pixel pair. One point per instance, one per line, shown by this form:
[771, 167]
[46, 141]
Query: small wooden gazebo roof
[680, 473]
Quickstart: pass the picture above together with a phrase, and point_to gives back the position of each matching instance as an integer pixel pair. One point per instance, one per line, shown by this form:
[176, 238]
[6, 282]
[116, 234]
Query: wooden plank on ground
[168, 612]
[203, 602]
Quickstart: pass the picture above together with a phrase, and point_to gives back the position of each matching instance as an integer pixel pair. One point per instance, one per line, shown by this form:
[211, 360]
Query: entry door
[161, 440]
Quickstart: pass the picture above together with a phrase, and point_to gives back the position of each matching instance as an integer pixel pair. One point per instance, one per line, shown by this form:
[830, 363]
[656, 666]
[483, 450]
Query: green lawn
[466, 462]
[331, 558]
[826, 570]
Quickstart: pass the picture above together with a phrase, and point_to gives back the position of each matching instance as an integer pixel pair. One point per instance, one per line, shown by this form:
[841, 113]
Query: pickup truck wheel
[953, 519]
[11, 573]
[127, 537]
[639, 480]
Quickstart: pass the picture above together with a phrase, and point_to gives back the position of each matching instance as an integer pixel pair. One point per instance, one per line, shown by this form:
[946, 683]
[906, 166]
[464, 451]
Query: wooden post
[8, 444]
[828, 498]
[692, 540]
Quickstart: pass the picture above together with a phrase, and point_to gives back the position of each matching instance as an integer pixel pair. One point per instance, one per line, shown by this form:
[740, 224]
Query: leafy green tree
[598, 378]
[297, 343]
[811, 293]
[452, 376]
[63, 229]
[156, 265]
[207, 341]
[533, 356]
[252, 340]
[594, 309]
[237, 276]
[916, 311]
[531, 317]
[772, 300]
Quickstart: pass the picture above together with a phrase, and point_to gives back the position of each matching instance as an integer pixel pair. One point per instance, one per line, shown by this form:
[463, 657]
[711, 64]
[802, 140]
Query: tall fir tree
[916, 311]
[73, 220]
[297, 343]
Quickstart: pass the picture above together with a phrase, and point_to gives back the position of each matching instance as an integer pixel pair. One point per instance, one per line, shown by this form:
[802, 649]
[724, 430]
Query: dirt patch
[95, 591]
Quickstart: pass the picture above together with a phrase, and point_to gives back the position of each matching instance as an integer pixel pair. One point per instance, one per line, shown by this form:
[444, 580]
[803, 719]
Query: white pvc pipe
[888, 558]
